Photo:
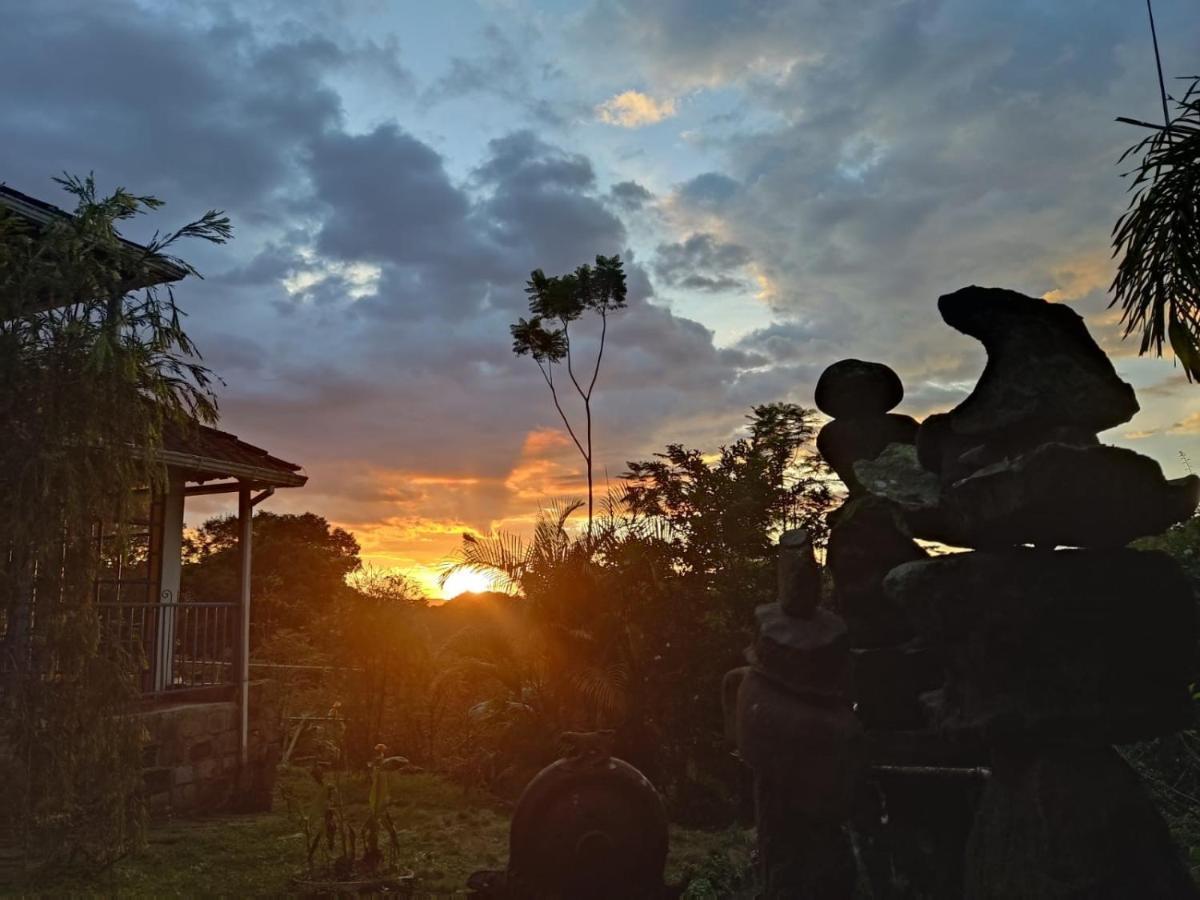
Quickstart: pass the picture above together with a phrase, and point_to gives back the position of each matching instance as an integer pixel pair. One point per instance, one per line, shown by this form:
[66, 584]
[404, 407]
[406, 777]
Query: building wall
[191, 760]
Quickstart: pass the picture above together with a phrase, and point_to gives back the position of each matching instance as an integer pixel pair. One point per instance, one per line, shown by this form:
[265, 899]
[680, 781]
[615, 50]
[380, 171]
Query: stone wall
[190, 756]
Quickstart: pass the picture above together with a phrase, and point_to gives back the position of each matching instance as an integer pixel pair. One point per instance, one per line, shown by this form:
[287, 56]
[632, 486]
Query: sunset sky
[789, 183]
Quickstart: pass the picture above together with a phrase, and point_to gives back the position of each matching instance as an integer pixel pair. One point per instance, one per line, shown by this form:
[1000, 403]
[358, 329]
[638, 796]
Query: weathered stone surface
[868, 538]
[1067, 824]
[810, 754]
[844, 442]
[730, 685]
[1044, 371]
[897, 475]
[853, 387]
[1073, 645]
[888, 684]
[1074, 496]
[809, 656]
[799, 858]
[799, 575]
[937, 444]
[953, 456]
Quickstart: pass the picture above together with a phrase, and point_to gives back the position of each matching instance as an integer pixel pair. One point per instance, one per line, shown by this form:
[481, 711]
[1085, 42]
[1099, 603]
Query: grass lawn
[446, 835]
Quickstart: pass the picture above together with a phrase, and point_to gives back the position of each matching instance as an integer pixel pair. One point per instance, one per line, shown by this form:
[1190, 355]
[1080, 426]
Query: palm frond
[1157, 238]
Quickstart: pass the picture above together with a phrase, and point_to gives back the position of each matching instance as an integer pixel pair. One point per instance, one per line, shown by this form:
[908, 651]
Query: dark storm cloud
[710, 191]
[701, 262]
[540, 204]
[387, 197]
[207, 114]
[629, 196]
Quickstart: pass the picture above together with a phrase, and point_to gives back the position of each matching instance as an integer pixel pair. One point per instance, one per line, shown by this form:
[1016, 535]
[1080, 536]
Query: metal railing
[181, 645]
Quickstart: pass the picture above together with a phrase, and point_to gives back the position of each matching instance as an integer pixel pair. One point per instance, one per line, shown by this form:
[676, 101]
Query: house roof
[41, 213]
[205, 453]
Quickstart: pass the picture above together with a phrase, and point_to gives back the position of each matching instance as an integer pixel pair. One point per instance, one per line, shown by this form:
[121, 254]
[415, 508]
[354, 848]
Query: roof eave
[219, 468]
[161, 270]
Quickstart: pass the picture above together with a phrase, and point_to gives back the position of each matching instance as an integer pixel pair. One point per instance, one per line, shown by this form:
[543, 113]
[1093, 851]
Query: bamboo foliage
[93, 368]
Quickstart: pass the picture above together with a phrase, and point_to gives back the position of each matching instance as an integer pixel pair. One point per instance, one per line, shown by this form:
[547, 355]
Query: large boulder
[853, 387]
[889, 682]
[844, 442]
[868, 538]
[1068, 823]
[955, 456]
[897, 475]
[1043, 370]
[1063, 495]
[1073, 645]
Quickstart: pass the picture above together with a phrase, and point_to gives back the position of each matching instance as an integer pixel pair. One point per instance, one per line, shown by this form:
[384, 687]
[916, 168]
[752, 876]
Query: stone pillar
[797, 732]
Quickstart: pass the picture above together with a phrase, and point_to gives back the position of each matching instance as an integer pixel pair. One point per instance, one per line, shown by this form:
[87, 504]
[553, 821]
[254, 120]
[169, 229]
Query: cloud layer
[818, 175]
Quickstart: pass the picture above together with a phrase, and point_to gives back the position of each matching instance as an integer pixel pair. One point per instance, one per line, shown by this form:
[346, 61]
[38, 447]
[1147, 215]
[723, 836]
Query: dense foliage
[633, 628]
[1170, 765]
[629, 629]
[298, 580]
[93, 364]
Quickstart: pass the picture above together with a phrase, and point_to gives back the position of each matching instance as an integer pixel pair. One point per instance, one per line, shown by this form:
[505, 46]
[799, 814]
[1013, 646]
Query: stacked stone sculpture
[1056, 641]
[906, 830]
[795, 728]
[988, 678]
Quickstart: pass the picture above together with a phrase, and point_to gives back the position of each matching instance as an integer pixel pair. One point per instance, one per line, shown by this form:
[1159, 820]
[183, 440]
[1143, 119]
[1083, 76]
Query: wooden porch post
[245, 517]
[170, 544]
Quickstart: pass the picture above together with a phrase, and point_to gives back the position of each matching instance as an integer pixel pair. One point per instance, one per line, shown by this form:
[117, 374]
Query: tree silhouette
[554, 303]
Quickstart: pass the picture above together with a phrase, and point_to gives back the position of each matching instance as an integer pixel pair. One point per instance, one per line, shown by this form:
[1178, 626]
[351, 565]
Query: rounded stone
[853, 387]
[846, 441]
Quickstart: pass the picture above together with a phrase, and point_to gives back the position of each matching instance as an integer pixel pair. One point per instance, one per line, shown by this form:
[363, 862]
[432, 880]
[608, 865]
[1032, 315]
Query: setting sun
[466, 582]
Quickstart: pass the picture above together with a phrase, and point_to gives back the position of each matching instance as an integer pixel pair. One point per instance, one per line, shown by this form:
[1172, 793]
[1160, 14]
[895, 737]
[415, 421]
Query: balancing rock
[844, 442]
[853, 387]
[1043, 370]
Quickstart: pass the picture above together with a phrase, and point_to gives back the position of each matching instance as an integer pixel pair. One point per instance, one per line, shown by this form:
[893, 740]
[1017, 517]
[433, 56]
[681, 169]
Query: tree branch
[599, 353]
[554, 394]
[570, 368]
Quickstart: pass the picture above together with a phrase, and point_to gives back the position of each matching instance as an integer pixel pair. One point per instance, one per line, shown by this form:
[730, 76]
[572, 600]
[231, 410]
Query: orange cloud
[633, 109]
[549, 466]
[412, 522]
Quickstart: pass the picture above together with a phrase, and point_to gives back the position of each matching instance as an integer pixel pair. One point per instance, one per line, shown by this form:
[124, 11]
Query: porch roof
[158, 269]
[203, 453]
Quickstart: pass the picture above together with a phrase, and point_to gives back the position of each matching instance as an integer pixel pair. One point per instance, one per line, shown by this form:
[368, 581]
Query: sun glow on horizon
[464, 581]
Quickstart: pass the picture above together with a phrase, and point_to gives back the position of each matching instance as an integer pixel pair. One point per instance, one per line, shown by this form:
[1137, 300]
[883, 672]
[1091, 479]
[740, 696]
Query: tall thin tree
[554, 303]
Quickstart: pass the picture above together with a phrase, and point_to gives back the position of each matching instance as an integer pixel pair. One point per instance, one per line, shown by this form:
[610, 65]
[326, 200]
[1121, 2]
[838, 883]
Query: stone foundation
[191, 761]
